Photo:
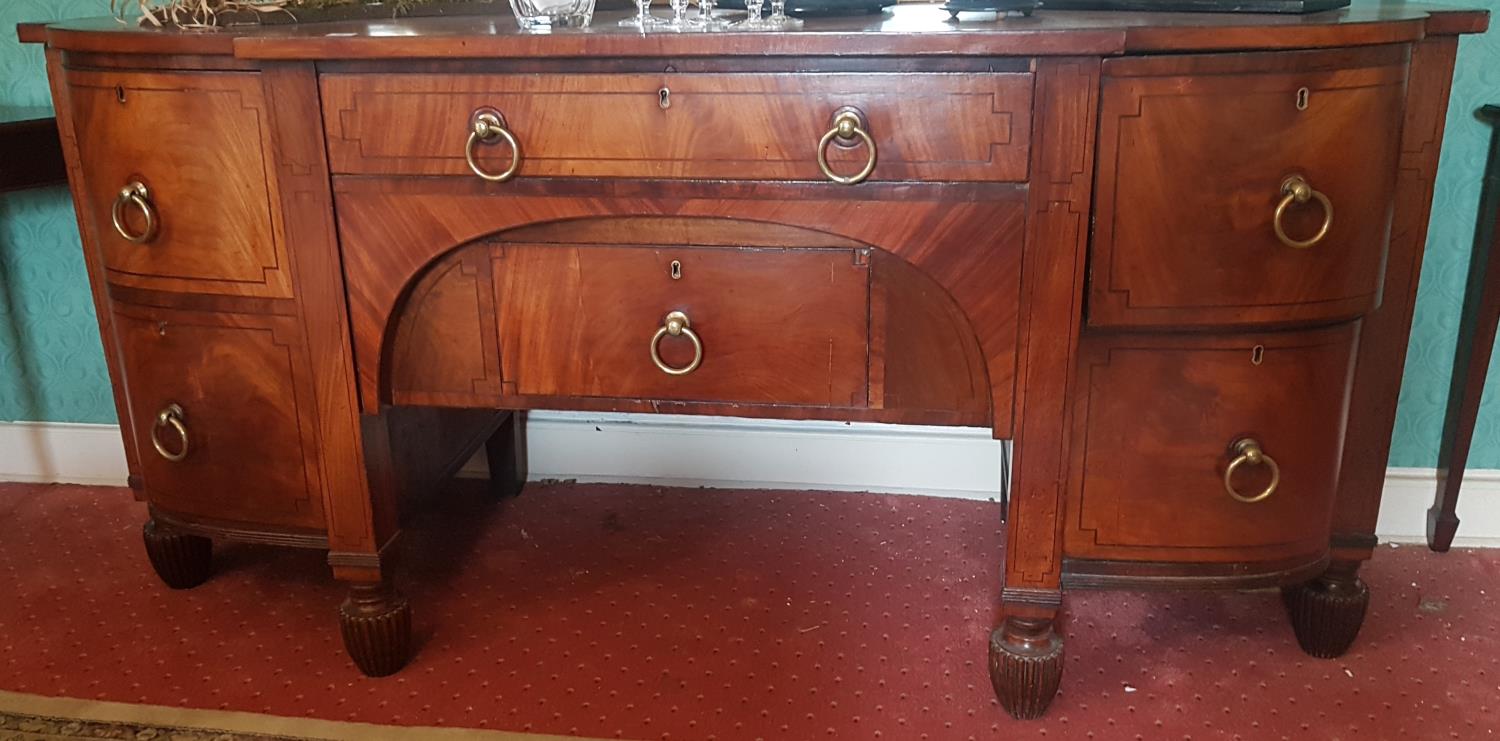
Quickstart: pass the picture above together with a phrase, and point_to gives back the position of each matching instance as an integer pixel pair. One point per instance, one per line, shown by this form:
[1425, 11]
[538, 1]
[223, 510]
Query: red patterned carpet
[644, 613]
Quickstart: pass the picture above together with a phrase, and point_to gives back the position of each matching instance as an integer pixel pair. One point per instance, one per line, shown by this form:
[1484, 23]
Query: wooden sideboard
[1172, 256]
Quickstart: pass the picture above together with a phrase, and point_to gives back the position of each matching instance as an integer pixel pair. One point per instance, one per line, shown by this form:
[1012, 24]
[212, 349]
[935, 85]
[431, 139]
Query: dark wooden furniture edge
[1088, 574]
[1477, 325]
[31, 153]
[1060, 33]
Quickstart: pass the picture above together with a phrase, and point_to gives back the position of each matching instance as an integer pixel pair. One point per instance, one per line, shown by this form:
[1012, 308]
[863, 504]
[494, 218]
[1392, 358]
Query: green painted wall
[51, 364]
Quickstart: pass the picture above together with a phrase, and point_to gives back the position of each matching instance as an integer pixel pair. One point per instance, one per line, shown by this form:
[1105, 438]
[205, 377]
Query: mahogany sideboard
[1172, 256]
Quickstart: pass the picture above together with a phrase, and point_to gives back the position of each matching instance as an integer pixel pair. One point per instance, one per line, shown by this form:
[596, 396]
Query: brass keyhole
[676, 270]
[1302, 96]
[1257, 354]
[120, 93]
[664, 98]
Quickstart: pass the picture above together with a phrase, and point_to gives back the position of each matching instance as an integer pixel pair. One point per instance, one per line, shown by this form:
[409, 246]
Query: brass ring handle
[1296, 189]
[1247, 450]
[846, 126]
[677, 325]
[171, 417]
[135, 194]
[489, 126]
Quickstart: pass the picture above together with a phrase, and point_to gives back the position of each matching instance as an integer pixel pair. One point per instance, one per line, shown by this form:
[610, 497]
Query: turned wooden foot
[1327, 612]
[376, 622]
[506, 453]
[182, 561]
[1026, 663]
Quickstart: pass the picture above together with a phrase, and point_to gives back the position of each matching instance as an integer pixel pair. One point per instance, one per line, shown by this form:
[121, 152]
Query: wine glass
[779, 20]
[679, 20]
[706, 19]
[753, 20]
[643, 18]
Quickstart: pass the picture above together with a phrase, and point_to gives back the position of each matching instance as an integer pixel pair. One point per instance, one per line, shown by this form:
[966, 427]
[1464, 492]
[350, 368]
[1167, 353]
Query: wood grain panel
[1383, 338]
[199, 141]
[965, 242]
[930, 126]
[245, 386]
[1190, 169]
[446, 348]
[777, 326]
[1154, 417]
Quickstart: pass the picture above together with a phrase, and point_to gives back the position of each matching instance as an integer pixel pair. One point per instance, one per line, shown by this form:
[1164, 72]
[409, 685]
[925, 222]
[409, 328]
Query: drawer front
[1193, 155]
[1156, 420]
[928, 126]
[774, 326]
[191, 148]
[238, 389]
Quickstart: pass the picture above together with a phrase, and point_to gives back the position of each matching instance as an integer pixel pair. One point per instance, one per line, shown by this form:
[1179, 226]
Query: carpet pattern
[36, 718]
[647, 613]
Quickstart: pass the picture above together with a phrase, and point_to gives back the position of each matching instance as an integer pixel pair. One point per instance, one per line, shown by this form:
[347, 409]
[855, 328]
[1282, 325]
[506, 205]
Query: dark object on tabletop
[1024, 7]
[1202, 6]
[820, 8]
[30, 151]
[1471, 359]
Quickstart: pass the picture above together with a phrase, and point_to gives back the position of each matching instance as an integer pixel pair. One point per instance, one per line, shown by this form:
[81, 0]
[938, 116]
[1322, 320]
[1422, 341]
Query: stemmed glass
[679, 20]
[779, 20]
[643, 18]
[706, 19]
[753, 20]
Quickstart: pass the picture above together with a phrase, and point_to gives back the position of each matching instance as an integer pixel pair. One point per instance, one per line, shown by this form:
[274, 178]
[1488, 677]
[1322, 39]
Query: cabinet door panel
[243, 387]
[198, 143]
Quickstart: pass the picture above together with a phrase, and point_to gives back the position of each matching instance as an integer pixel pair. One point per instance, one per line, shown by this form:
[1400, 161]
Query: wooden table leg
[1471, 359]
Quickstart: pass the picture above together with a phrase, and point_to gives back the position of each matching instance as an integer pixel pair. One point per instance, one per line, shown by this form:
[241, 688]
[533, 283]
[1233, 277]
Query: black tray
[1201, 6]
[820, 7]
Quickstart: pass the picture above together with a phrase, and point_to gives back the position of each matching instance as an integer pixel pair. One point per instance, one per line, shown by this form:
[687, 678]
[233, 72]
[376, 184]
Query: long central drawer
[923, 126]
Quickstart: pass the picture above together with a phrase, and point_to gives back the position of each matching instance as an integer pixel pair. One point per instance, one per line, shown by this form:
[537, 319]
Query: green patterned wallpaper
[51, 364]
[1450, 236]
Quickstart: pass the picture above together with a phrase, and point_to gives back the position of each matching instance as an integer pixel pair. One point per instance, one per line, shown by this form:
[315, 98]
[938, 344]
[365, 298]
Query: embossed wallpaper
[51, 360]
[52, 365]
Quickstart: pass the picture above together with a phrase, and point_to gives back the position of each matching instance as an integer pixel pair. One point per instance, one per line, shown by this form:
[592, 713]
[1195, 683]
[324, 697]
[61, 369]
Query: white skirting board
[722, 452]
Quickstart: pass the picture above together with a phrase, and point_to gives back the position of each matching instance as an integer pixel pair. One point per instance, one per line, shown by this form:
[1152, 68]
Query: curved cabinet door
[1156, 422]
[179, 181]
[222, 407]
[1200, 161]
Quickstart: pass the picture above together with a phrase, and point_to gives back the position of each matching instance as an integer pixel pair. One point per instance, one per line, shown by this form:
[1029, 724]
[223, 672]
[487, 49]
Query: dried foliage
[205, 13]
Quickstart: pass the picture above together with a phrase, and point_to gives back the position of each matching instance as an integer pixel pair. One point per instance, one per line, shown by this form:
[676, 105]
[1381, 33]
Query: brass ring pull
[677, 325]
[489, 126]
[1247, 450]
[135, 194]
[1296, 189]
[171, 417]
[846, 127]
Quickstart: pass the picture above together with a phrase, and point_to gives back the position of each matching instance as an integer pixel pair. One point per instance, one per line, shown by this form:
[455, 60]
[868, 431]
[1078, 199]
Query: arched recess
[400, 241]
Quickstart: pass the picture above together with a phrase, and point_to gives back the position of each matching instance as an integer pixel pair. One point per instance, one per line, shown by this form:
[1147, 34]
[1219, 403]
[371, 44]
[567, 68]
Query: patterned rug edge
[39, 718]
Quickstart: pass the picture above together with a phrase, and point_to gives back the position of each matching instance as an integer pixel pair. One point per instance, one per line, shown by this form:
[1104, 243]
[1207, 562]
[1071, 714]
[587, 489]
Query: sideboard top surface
[905, 30]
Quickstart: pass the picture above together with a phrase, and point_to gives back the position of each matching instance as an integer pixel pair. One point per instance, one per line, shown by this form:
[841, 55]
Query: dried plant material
[204, 14]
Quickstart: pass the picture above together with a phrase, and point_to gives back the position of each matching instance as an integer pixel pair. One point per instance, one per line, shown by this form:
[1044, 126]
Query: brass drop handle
[171, 417]
[1247, 451]
[135, 194]
[487, 128]
[677, 324]
[848, 127]
[1295, 189]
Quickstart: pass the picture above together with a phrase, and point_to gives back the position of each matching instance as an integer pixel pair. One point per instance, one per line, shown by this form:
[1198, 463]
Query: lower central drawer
[788, 326]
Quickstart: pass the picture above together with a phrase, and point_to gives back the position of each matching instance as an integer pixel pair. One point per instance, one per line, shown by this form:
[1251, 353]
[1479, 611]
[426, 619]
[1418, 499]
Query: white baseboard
[64, 453]
[722, 452]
